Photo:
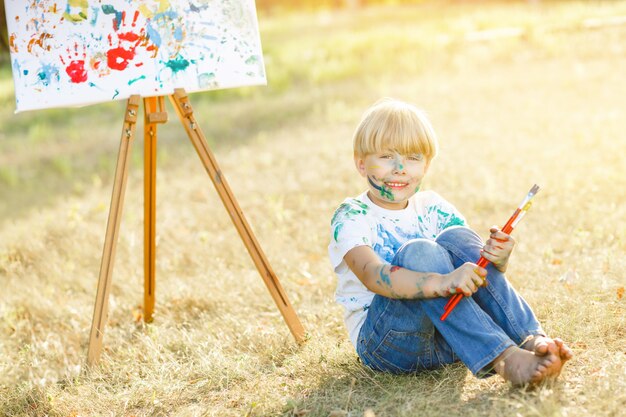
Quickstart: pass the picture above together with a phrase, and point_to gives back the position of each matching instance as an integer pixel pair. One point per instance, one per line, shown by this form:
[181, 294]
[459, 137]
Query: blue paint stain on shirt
[390, 242]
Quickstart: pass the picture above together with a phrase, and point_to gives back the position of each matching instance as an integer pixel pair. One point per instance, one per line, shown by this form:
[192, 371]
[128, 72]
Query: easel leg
[149, 248]
[113, 225]
[185, 113]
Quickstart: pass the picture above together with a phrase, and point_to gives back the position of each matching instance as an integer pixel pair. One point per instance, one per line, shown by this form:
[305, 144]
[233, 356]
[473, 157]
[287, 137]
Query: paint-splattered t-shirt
[360, 222]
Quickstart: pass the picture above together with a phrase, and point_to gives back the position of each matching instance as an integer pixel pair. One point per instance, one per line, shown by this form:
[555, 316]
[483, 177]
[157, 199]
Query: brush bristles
[534, 190]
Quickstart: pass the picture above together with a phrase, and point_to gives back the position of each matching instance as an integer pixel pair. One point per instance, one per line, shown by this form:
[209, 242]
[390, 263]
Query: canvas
[79, 52]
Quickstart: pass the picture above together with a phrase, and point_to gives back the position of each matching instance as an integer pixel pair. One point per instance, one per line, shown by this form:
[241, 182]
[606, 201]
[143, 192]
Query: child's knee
[423, 255]
[463, 239]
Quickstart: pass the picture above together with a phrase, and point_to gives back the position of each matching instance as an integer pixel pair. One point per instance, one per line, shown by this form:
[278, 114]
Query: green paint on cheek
[385, 192]
[417, 188]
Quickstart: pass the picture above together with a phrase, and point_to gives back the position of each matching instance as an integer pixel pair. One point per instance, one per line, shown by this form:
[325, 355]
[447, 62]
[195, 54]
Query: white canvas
[78, 52]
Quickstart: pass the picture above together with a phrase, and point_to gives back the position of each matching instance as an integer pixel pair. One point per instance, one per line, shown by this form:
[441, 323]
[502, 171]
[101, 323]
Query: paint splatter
[134, 80]
[118, 58]
[177, 64]
[384, 191]
[346, 212]
[41, 42]
[76, 71]
[48, 74]
[164, 38]
[76, 10]
[254, 59]
[385, 276]
[118, 15]
[12, 45]
[76, 68]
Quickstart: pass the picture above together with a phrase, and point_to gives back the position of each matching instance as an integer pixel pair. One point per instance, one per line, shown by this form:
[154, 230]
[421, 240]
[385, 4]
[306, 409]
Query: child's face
[392, 178]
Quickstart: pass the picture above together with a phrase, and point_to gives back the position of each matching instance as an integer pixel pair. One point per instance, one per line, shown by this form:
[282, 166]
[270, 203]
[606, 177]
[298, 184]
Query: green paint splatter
[252, 59]
[446, 219]
[417, 188]
[385, 192]
[177, 64]
[347, 210]
[344, 212]
[143, 77]
[454, 221]
[337, 229]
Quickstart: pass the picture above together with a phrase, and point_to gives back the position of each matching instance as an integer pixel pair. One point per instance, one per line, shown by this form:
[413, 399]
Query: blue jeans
[404, 336]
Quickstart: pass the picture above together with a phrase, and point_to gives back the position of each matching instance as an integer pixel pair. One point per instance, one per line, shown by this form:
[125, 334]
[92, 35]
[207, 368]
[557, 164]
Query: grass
[544, 107]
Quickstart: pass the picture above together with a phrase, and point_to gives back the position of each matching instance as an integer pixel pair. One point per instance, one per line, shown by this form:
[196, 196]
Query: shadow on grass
[358, 389]
[355, 389]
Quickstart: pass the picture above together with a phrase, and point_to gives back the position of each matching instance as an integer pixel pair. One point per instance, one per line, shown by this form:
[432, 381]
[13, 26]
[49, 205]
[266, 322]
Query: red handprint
[119, 57]
[76, 68]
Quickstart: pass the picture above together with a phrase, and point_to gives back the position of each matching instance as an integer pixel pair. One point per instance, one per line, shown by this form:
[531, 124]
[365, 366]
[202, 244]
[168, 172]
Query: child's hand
[498, 248]
[465, 279]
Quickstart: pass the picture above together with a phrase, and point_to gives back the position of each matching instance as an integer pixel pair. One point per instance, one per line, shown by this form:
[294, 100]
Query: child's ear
[359, 162]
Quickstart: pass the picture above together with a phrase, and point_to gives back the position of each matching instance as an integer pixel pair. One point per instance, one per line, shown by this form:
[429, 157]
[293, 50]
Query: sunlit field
[519, 93]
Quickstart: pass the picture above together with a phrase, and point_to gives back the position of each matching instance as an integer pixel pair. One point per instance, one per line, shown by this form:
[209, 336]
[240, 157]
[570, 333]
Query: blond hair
[395, 125]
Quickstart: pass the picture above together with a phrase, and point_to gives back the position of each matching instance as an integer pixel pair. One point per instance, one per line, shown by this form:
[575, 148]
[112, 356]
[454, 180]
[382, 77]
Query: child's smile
[393, 178]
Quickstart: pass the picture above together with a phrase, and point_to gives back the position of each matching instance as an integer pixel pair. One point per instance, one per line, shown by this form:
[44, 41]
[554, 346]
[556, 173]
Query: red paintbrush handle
[508, 227]
[482, 262]
[454, 300]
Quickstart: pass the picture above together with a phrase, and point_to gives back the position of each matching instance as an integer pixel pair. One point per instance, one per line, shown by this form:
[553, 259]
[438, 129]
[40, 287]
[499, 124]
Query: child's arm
[394, 282]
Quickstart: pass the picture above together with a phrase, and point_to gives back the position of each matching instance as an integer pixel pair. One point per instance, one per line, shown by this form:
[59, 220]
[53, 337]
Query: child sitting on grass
[399, 253]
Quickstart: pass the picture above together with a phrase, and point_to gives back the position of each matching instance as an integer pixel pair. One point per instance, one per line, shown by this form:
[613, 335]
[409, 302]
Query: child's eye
[417, 157]
[386, 156]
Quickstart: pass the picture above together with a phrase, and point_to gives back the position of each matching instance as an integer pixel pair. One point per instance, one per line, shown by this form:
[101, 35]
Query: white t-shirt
[360, 222]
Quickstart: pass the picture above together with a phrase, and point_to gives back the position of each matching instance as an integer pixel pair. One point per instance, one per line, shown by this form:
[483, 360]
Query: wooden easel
[154, 113]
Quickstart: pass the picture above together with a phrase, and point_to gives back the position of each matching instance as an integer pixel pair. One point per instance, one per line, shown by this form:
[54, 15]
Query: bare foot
[520, 366]
[542, 345]
[564, 351]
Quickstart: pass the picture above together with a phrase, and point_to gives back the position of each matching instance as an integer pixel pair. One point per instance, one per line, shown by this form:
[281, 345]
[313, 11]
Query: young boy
[400, 253]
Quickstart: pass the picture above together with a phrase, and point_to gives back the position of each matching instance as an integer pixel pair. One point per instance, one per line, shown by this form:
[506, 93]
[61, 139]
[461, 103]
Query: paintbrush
[519, 213]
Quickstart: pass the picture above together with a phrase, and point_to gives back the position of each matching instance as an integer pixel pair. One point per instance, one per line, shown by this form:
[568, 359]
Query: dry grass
[510, 112]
